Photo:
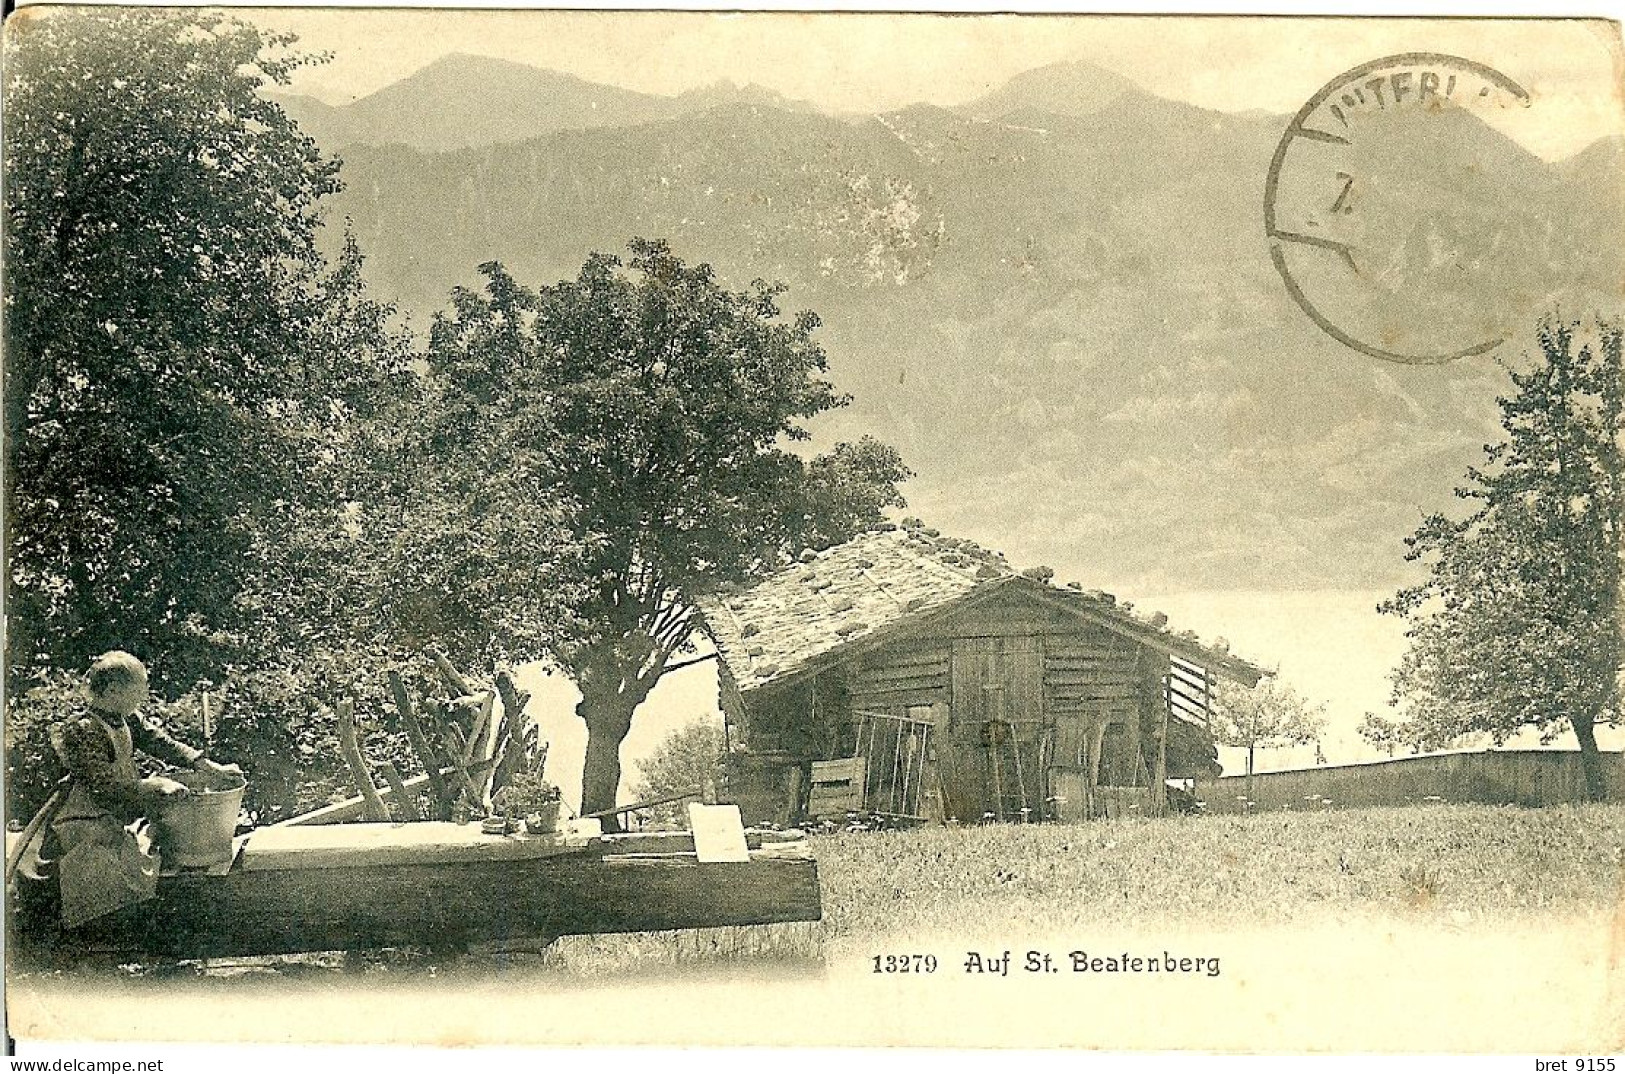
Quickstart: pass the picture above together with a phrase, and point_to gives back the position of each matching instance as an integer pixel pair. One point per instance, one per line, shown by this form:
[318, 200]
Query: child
[105, 861]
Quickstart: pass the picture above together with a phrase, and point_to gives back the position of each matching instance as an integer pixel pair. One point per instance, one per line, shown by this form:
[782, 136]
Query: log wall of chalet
[1033, 712]
[901, 676]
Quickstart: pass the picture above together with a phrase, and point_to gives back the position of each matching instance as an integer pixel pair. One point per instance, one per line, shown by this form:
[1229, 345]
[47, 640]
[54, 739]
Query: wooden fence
[1494, 777]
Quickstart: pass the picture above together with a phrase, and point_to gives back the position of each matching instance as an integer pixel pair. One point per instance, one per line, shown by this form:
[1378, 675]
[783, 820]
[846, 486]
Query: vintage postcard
[601, 528]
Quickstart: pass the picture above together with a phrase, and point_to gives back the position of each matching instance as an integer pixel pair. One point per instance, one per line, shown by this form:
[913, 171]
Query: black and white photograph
[560, 528]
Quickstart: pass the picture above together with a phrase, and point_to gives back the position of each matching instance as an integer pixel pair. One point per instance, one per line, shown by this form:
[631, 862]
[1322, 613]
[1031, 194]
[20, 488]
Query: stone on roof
[837, 598]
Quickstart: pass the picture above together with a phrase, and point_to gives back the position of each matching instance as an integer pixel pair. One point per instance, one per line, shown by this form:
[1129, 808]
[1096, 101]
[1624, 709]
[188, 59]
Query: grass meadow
[1420, 929]
[1457, 866]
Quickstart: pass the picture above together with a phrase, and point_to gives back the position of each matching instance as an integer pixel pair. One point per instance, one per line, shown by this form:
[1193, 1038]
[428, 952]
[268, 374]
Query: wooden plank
[897, 704]
[1088, 661]
[936, 647]
[1192, 686]
[1067, 649]
[931, 688]
[1090, 676]
[892, 683]
[1070, 649]
[936, 685]
[894, 718]
[889, 660]
[837, 786]
[1092, 692]
[1194, 701]
[893, 677]
[1085, 678]
[1071, 706]
[1025, 692]
[294, 910]
[922, 663]
[907, 697]
[1194, 671]
[1187, 707]
[338, 846]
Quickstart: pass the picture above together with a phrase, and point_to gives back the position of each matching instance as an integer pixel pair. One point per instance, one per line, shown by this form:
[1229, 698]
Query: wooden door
[998, 682]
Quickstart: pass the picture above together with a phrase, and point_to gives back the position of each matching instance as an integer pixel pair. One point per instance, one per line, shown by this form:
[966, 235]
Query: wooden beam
[681, 664]
[427, 756]
[346, 908]
[351, 809]
[404, 800]
[449, 672]
[372, 805]
[648, 803]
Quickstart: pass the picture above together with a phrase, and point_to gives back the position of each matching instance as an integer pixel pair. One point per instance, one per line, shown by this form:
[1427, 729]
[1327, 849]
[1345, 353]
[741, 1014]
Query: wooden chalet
[914, 675]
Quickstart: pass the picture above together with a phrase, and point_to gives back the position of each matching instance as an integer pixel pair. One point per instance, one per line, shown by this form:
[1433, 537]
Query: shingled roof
[833, 603]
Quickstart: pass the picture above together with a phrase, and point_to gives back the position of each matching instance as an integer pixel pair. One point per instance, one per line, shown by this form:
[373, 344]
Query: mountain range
[459, 101]
[1057, 300]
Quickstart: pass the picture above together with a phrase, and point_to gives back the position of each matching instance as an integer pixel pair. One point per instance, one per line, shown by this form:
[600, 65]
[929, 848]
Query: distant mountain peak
[1066, 88]
[727, 91]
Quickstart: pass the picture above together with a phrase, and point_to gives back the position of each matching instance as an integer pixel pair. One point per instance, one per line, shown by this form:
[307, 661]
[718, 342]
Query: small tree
[1388, 735]
[1518, 622]
[686, 760]
[1270, 716]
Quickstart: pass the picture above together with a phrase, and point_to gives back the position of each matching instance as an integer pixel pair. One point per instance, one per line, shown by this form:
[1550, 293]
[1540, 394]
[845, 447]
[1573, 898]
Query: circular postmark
[1393, 210]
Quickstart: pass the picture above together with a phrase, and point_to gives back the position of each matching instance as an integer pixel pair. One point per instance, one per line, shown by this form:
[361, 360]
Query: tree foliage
[657, 404]
[187, 378]
[1518, 622]
[685, 761]
[176, 361]
[1269, 716]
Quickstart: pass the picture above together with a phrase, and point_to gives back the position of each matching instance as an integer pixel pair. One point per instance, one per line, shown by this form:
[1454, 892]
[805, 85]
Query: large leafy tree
[187, 379]
[175, 364]
[1518, 623]
[658, 404]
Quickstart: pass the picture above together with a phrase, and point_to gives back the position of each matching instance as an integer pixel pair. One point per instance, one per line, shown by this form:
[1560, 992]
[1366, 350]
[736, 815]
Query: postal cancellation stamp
[1359, 243]
[571, 528]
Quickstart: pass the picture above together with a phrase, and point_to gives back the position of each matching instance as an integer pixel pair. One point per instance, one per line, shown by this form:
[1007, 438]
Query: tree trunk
[608, 718]
[1590, 760]
[614, 678]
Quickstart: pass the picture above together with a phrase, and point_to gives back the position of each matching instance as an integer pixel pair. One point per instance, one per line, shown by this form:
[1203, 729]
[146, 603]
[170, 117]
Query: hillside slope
[1069, 323]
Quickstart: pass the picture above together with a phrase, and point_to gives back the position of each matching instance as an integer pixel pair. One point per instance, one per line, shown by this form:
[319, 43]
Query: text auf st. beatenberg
[1004, 963]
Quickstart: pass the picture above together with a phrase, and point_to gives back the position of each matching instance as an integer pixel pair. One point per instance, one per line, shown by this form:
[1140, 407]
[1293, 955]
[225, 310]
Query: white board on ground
[719, 833]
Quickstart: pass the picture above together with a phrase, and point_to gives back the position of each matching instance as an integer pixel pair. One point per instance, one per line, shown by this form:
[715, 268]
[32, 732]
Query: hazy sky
[872, 62]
